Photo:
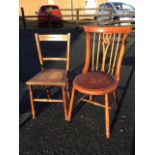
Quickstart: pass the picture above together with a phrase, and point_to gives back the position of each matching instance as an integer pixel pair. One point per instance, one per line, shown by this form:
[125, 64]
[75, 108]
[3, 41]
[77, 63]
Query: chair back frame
[110, 40]
[50, 37]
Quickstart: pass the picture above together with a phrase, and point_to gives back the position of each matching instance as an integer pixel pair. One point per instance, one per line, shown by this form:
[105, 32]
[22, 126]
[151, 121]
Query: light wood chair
[101, 73]
[51, 76]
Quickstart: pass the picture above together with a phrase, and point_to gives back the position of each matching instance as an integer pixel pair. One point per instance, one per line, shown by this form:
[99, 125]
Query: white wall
[90, 4]
[50, 1]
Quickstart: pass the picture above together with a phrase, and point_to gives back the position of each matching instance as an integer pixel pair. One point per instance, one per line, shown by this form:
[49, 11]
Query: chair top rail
[54, 59]
[53, 37]
[107, 29]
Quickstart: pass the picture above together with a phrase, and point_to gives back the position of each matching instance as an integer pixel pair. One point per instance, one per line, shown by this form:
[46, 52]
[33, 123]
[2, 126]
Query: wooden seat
[51, 76]
[95, 83]
[105, 48]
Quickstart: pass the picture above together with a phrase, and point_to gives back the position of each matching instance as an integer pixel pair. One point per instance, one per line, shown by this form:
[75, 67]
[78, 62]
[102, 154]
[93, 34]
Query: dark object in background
[49, 15]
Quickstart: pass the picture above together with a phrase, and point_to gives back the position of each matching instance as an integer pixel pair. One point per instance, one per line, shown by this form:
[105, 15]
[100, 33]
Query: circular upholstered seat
[95, 83]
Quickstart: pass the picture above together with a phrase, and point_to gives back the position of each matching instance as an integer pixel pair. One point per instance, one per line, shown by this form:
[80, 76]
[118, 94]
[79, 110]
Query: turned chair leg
[67, 91]
[107, 119]
[71, 104]
[31, 101]
[64, 102]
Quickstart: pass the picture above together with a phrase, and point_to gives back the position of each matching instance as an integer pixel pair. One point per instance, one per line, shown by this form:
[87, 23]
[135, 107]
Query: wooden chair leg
[115, 97]
[48, 92]
[90, 97]
[114, 93]
[31, 101]
[107, 118]
[71, 105]
[67, 90]
[64, 102]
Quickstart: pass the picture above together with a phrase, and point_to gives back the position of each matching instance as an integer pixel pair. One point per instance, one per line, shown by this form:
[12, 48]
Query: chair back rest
[53, 38]
[105, 49]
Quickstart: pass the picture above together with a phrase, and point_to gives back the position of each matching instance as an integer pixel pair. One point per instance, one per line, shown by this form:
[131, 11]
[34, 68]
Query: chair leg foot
[31, 101]
[71, 105]
[107, 118]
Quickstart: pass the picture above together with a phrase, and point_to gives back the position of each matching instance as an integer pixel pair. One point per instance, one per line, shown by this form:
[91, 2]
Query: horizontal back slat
[53, 37]
[55, 59]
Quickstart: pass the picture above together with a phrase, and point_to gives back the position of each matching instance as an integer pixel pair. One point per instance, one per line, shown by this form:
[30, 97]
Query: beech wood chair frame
[110, 45]
[63, 84]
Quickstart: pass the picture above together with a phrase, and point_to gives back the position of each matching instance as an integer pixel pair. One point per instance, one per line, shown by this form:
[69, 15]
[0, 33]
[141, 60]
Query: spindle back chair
[105, 48]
